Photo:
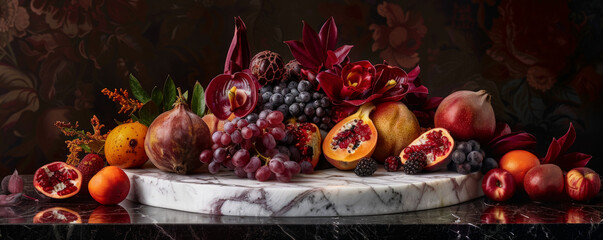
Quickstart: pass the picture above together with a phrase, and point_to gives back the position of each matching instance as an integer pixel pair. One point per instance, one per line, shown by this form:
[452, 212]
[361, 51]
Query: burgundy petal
[342, 52]
[331, 59]
[312, 43]
[412, 75]
[513, 141]
[328, 34]
[215, 97]
[552, 153]
[298, 51]
[359, 102]
[238, 55]
[247, 83]
[502, 128]
[572, 160]
[568, 139]
[331, 84]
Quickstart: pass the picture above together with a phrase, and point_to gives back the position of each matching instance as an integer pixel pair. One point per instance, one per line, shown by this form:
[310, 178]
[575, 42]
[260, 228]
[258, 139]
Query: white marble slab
[325, 193]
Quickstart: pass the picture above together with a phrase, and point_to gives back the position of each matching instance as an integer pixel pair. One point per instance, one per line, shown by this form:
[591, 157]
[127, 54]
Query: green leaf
[86, 148]
[157, 96]
[148, 113]
[185, 95]
[169, 93]
[198, 101]
[139, 93]
[134, 118]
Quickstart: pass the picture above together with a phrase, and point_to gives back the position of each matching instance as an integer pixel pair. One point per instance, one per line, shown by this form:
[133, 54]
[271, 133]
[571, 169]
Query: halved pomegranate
[351, 139]
[436, 144]
[57, 215]
[306, 139]
[58, 180]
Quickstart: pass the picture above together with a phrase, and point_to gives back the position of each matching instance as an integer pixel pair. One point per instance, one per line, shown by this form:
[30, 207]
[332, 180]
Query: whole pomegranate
[467, 115]
[176, 138]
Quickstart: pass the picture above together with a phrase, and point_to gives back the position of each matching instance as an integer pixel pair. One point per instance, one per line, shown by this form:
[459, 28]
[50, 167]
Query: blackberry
[415, 163]
[392, 163]
[366, 167]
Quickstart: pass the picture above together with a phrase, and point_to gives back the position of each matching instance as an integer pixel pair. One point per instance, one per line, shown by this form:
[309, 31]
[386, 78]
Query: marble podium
[327, 192]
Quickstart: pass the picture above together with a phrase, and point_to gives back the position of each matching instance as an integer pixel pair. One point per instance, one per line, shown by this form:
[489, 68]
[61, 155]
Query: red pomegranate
[467, 115]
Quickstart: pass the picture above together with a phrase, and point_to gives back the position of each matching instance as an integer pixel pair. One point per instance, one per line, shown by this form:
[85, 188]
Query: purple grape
[262, 123]
[225, 139]
[251, 175]
[278, 133]
[242, 123]
[263, 174]
[240, 173]
[246, 144]
[284, 157]
[253, 164]
[206, 156]
[214, 167]
[216, 137]
[270, 152]
[220, 155]
[284, 177]
[306, 167]
[276, 166]
[215, 146]
[275, 117]
[255, 129]
[236, 137]
[246, 133]
[292, 167]
[268, 141]
[240, 158]
[229, 127]
[228, 164]
[294, 154]
[263, 114]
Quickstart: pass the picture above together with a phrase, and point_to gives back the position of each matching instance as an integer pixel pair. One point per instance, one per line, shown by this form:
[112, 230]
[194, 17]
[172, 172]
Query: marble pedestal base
[325, 193]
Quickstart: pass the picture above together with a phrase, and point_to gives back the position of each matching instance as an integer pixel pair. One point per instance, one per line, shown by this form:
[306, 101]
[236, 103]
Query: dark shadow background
[541, 60]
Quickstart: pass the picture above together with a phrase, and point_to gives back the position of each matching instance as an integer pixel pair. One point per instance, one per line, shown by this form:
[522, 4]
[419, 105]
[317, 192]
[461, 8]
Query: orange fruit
[109, 186]
[124, 147]
[518, 162]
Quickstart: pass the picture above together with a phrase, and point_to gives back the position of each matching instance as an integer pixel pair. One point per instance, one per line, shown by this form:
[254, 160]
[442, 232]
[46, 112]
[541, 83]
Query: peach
[396, 127]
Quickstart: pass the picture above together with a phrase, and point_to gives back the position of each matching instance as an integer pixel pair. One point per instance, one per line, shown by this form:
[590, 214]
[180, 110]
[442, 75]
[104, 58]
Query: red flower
[533, 33]
[235, 91]
[316, 52]
[401, 37]
[361, 82]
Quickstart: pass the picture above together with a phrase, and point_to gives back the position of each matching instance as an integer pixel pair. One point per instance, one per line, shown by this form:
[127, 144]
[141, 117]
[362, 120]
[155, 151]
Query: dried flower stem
[82, 141]
[121, 96]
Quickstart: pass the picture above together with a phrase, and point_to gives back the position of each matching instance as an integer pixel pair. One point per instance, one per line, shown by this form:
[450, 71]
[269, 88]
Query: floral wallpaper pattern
[541, 60]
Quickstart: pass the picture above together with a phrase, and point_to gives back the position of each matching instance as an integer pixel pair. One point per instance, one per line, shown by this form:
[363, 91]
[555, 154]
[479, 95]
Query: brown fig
[176, 138]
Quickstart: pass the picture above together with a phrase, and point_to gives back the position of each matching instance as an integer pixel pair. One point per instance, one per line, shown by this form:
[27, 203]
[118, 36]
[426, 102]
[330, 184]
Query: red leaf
[298, 51]
[312, 43]
[568, 139]
[331, 84]
[552, 153]
[238, 55]
[572, 160]
[342, 52]
[328, 34]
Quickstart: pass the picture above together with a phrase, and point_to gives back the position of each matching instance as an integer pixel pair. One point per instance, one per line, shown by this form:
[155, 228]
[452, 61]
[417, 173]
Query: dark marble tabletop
[477, 219]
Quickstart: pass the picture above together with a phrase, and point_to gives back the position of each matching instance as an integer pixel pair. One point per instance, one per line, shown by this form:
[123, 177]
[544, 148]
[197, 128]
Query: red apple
[582, 184]
[544, 183]
[498, 184]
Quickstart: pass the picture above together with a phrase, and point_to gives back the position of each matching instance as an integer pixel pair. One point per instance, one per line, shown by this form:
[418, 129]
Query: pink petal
[298, 50]
[328, 34]
[313, 44]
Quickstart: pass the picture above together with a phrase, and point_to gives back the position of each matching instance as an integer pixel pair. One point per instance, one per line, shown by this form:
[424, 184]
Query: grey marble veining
[327, 192]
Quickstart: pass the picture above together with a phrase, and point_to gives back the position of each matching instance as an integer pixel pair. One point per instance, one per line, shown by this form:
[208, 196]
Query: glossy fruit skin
[89, 166]
[340, 158]
[544, 183]
[582, 184]
[62, 165]
[498, 185]
[434, 163]
[467, 115]
[396, 127]
[109, 214]
[518, 163]
[109, 186]
[497, 215]
[49, 216]
[124, 147]
[175, 140]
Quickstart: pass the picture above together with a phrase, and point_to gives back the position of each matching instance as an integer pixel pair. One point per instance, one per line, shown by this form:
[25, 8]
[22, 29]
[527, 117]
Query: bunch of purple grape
[249, 147]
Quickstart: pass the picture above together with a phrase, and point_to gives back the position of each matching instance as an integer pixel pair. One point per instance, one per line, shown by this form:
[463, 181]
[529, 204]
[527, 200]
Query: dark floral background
[541, 60]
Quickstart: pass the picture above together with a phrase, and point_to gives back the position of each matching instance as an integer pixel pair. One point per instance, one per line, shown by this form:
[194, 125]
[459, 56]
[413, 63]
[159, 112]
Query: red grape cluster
[250, 148]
